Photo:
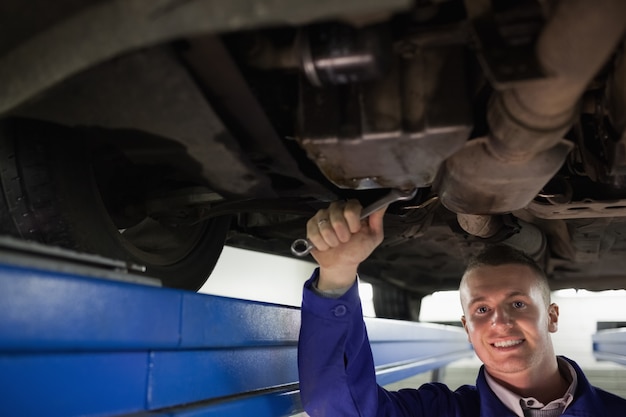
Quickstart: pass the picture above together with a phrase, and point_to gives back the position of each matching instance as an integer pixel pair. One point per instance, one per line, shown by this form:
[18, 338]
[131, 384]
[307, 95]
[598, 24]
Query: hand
[342, 241]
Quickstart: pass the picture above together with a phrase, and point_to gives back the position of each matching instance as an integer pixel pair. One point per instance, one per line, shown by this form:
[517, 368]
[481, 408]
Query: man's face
[507, 319]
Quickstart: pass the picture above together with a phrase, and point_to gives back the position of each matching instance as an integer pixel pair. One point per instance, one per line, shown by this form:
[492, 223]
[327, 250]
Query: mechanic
[508, 318]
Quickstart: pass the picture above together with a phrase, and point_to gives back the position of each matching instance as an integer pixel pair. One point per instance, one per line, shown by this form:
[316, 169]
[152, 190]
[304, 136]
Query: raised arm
[337, 375]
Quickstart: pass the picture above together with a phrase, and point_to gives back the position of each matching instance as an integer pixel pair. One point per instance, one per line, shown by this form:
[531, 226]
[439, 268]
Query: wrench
[302, 247]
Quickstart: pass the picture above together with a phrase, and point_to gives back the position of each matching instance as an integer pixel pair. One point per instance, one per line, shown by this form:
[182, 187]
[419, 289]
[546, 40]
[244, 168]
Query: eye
[519, 304]
[482, 310]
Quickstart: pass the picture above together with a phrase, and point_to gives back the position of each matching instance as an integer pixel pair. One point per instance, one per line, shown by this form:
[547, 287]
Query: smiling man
[508, 318]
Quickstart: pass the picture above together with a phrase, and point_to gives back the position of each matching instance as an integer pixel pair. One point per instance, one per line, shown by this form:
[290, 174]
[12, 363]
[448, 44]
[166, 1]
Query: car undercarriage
[157, 131]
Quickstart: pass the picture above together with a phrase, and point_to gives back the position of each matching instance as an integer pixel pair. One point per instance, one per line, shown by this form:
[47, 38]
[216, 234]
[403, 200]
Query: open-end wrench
[302, 247]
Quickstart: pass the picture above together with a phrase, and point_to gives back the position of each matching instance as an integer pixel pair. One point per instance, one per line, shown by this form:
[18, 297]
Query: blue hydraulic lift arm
[610, 345]
[77, 345]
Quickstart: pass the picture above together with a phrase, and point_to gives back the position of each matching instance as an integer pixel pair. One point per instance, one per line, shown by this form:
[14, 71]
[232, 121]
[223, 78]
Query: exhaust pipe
[523, 236]
[504, 171]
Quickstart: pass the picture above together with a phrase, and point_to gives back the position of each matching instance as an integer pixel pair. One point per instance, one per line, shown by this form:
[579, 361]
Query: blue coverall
[337, 377]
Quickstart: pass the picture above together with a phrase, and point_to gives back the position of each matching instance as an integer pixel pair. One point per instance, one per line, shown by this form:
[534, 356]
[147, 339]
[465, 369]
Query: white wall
[261, 277]
[579, 313]
[256, 276]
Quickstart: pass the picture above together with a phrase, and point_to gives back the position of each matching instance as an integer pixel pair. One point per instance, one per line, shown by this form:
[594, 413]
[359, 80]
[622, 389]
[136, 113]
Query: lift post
[79, 340]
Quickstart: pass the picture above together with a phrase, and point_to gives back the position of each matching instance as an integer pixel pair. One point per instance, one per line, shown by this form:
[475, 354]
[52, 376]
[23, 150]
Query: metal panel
[72, 383]
[226, 372]
[390, 133]
[79, 346]
[610, 345]
[49, 311]
[284, 402]
[208, 321]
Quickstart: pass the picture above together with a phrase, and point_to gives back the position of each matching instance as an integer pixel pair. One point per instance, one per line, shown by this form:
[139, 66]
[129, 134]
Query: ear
[464, 322]
[553, 318]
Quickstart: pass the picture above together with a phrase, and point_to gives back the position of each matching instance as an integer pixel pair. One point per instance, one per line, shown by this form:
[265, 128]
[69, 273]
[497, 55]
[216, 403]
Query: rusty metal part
[430, 201]
[335, 53]
[390, 133]
[586, 209]
[530, 240]
[505, 170]
[505, 38]
[302, 247]
[69, 46]
[226, 87]
[507, 230]
[474, 181]
[557, 191]
[484, 226]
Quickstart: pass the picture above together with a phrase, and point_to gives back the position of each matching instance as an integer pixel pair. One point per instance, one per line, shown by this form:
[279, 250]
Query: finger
[334, 221]
[313, 230]
[352, 214]
[339, 222]
[324, 223]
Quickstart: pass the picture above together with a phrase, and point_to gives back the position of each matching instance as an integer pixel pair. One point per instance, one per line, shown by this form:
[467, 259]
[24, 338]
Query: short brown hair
[500, 254]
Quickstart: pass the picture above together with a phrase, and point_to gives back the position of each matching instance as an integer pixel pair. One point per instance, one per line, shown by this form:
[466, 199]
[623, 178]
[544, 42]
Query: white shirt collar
[512, 400]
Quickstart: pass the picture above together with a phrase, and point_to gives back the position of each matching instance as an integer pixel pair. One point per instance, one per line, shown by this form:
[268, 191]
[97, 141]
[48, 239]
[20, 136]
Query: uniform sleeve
[334, 360]
[337, 376]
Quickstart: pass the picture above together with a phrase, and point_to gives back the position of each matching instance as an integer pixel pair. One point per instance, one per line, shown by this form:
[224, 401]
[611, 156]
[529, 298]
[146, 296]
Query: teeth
[507, 343]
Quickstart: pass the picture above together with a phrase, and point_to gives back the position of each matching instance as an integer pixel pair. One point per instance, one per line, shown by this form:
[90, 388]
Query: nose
[501, 317]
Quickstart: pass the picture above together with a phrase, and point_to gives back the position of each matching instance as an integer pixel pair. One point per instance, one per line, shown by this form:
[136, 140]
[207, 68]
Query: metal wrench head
[391, 197]
[301, 247]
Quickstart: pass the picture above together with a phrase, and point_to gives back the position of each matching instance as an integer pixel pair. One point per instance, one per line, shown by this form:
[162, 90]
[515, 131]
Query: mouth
[507, 344]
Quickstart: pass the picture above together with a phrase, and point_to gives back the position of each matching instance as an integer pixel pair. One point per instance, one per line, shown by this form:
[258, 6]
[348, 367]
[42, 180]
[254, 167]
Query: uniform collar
[512, 400]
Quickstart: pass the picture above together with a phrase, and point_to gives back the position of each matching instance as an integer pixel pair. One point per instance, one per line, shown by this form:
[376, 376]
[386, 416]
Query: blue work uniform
[337, 377]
